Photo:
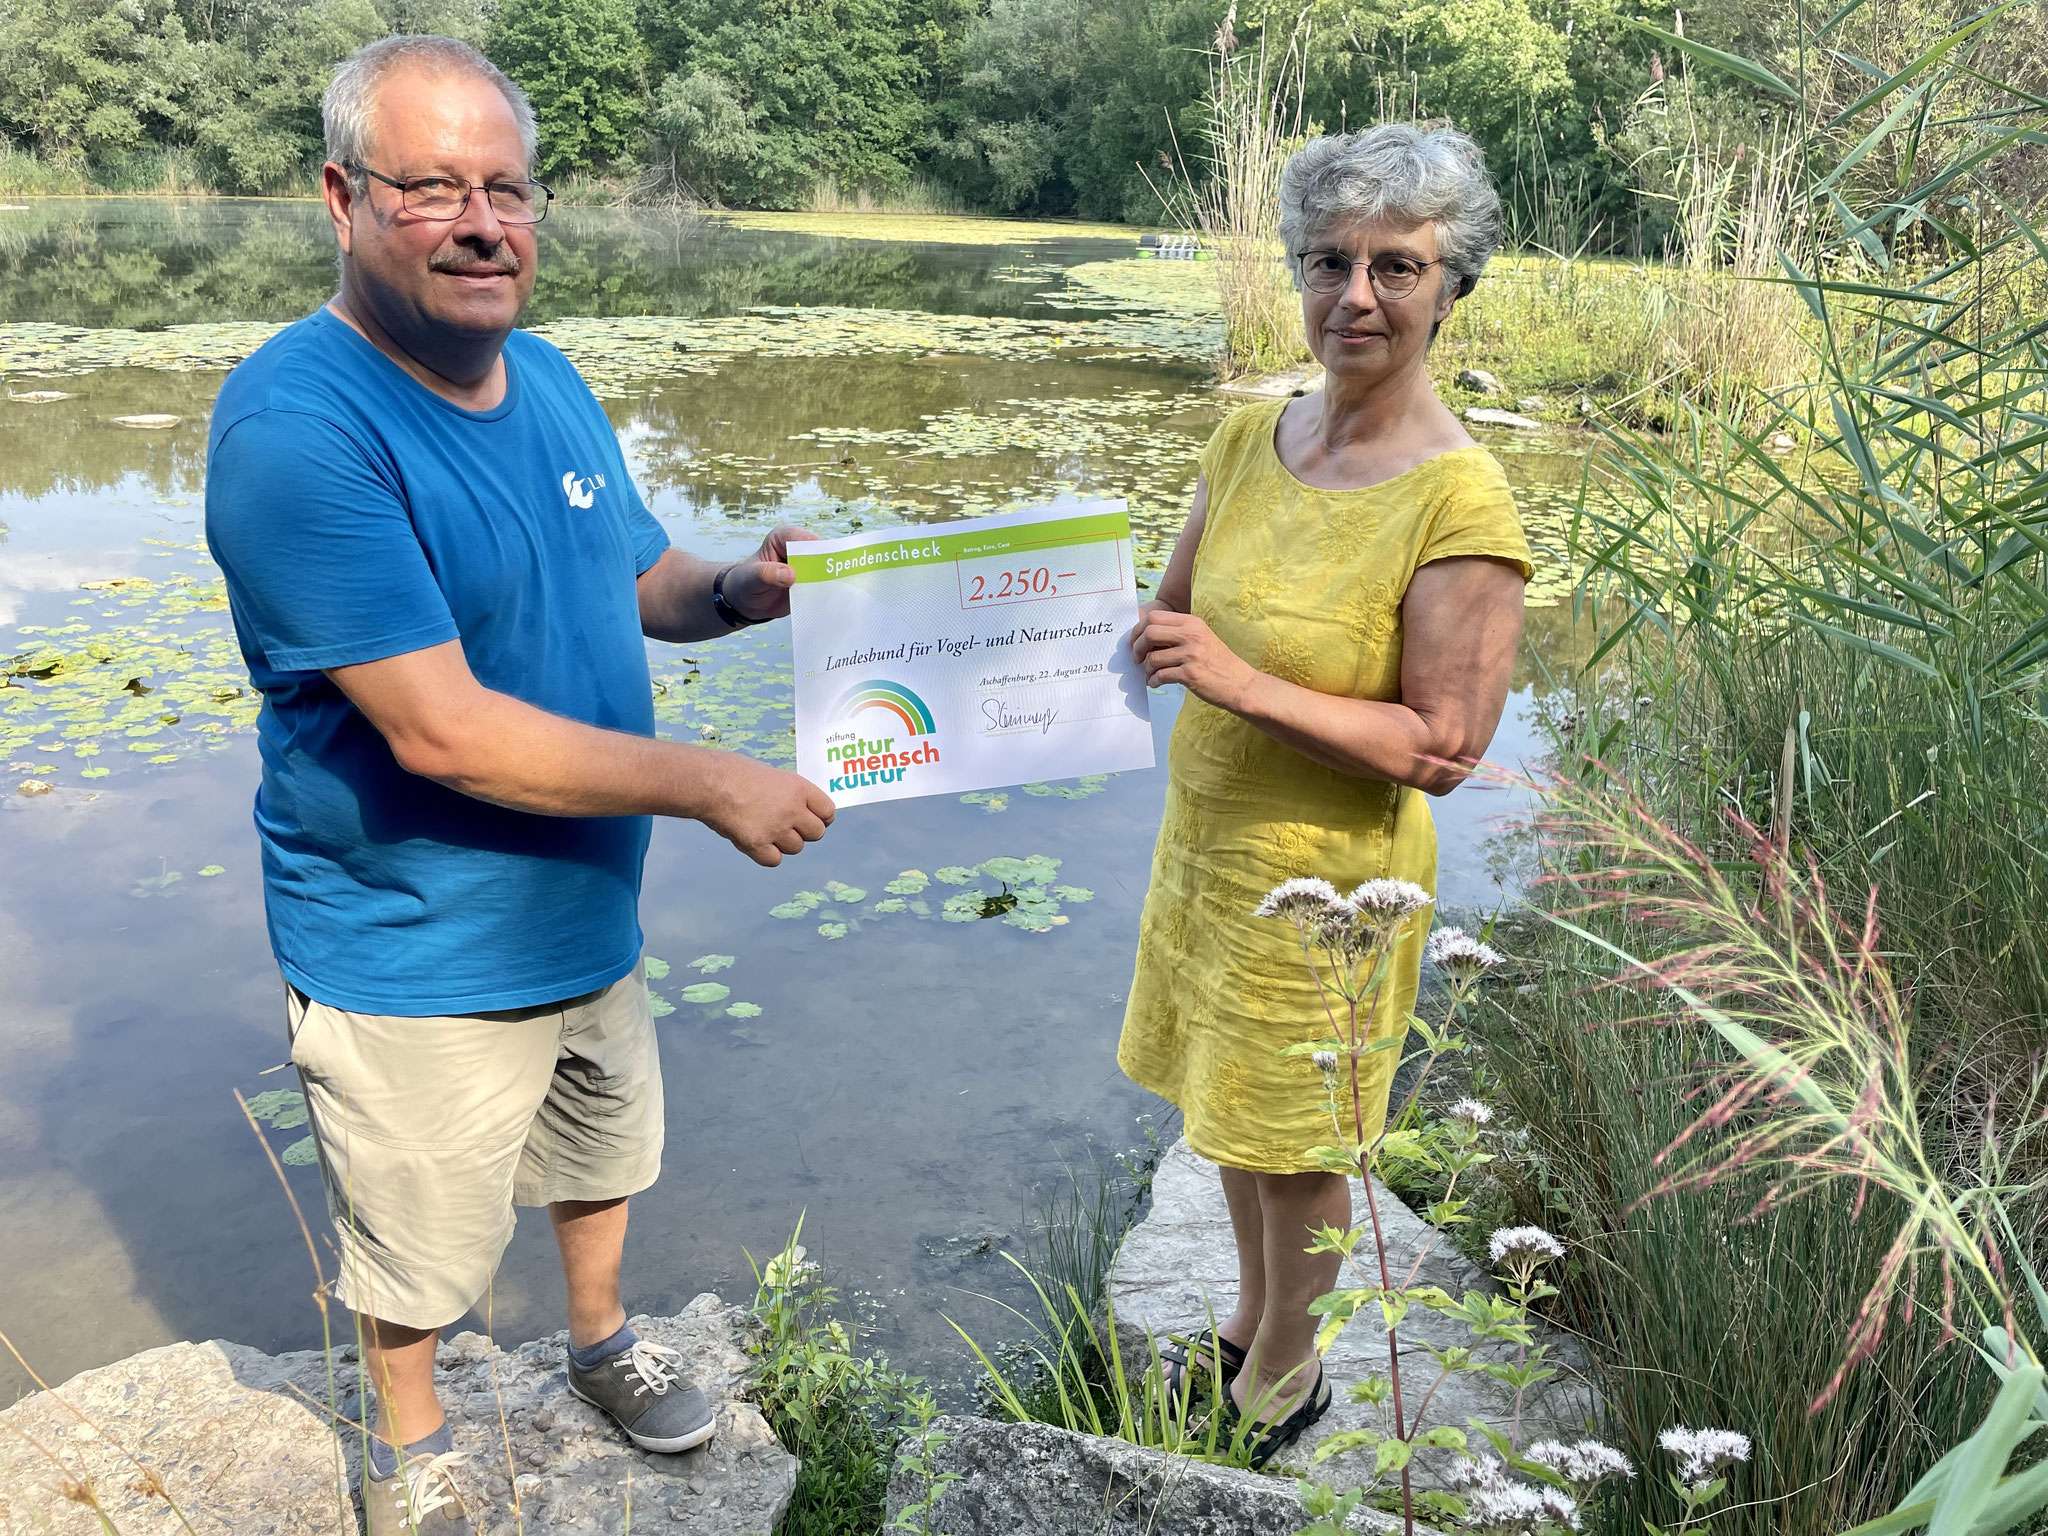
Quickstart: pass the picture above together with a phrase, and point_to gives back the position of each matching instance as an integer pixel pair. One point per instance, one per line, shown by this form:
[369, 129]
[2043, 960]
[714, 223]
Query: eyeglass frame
[403, 184]
[1301, 257]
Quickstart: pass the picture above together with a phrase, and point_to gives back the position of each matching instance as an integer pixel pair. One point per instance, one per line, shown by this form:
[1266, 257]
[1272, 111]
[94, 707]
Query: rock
[1491, 418]
[234, 1459]
[1532, 404]
[1479, 381]
[148, 420]
[1285, 383]
[1037, 1480]
[1177, 1268]
[238, 1437]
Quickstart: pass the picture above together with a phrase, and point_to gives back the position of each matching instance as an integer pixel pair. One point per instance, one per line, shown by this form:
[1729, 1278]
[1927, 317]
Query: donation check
[968, 655]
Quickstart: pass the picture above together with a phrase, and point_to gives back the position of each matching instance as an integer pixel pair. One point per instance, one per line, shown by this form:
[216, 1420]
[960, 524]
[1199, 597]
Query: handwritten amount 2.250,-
[1038, 581]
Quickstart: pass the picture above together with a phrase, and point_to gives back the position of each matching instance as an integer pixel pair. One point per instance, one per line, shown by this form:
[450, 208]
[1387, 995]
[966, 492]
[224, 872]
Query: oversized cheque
[968, 655]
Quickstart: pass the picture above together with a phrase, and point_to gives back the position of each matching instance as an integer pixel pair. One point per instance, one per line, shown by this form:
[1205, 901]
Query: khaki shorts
[431, 1130]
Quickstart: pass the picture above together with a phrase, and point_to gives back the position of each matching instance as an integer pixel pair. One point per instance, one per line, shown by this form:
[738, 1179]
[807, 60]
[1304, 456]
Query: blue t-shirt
[357, 515]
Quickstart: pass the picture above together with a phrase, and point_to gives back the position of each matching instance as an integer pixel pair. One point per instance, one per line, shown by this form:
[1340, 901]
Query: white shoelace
[657, 1366]
[424, 1485]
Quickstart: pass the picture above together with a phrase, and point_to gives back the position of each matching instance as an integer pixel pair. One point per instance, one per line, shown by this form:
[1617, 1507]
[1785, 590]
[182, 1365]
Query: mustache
[500, 258]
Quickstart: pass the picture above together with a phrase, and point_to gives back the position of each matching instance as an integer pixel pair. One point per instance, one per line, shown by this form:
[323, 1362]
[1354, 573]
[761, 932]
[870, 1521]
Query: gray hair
[350, 100]
[1405, 175]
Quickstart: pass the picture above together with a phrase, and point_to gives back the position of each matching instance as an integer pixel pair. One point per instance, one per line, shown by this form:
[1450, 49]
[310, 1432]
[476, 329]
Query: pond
[905, 1085]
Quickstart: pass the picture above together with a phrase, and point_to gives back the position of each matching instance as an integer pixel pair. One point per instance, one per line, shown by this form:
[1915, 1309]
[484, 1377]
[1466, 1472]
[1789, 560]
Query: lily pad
[909, 883]
[708, 964]
[802, 904]
[656, 969]
[303, 1153]
[989, 798]
[281, 1109]
[955, 874]
[832, 930]
[852, 895]
[743, 1011]
[1073, 893]
[706, 992]
[208, 871]
[660, 1006]
[892, 904]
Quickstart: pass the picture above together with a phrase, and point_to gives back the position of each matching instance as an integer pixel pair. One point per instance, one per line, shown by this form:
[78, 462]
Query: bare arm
[1461, 622]
[675, 592]
[444, 725]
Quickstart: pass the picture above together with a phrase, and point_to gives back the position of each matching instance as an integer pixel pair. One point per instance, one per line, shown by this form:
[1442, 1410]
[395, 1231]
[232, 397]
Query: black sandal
[1209, 1350]
[1268, 1440]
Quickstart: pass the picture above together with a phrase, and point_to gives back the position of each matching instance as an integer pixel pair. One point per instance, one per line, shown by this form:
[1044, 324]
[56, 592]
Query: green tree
[584, 65]
[701, 145]
[85, 78]
[827, 85]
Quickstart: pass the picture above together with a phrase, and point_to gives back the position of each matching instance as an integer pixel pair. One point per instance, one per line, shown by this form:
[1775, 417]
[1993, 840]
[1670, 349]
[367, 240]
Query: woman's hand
[1180, 648]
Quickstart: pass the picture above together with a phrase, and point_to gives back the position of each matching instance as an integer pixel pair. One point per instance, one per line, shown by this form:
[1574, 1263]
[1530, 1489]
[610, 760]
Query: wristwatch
[733, 618]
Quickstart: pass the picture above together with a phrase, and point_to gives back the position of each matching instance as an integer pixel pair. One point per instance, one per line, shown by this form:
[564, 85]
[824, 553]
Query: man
[441, 574]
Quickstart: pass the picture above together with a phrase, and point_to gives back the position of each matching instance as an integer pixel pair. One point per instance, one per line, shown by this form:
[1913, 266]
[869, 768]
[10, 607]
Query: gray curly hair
[349, 104]
[1405, 175]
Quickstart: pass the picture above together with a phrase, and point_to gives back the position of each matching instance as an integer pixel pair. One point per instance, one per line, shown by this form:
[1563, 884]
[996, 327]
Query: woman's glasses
[1392, 276]
[445, 198]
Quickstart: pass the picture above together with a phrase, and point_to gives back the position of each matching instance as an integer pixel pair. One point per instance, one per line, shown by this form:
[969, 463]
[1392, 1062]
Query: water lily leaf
[964, 908]
[660, 1006]
[280, 1108]
[832, 930]
[909, 883]
[656, 969]
[706, 992]
[893, 904]
[303, 1153]
[744, 1011]
[710, 964]
[992, 800]
[1073, 893]
[208, 871]
[852, 895]
[802, 904]
[1009, 871]
[955, 874]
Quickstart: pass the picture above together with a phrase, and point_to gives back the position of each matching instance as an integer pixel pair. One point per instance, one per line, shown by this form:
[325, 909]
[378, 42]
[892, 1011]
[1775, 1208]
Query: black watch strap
[732, 617]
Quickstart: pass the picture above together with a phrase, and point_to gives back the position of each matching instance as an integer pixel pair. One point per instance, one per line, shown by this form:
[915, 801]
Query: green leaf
[656, 969]
[208, 871]
[1393, 1455]
[832, 930]
[708, 964]
[1736, 65]
[659, 1006]
[909, 883]
[955, 874]
[744, 1011]
[281, 1109]
[706, 992]
[1985, 1455]
[303, 1153]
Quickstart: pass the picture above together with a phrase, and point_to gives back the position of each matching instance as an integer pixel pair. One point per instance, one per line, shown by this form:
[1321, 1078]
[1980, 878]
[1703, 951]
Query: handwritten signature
[1001, 718]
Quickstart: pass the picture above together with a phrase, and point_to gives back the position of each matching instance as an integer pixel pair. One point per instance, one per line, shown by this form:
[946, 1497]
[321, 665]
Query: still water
[906, 1088]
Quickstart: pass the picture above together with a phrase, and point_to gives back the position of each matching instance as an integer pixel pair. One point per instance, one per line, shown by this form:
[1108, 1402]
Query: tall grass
[1845, 646]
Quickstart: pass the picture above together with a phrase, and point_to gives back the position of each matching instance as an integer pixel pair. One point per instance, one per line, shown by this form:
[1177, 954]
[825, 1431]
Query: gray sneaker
[644, 1389]
[419, 1499]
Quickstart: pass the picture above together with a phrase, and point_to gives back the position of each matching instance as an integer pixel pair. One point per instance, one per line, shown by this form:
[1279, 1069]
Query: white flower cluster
[1495, 1506]
[1583, 1465]
[1354, 924]
[1461, 958]
[1326, 1061]
[1702, 1453]
[1471, 1111]
[1510, 1244]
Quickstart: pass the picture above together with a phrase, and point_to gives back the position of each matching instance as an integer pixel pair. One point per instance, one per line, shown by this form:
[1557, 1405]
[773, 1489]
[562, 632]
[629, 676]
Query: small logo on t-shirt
[581, 491]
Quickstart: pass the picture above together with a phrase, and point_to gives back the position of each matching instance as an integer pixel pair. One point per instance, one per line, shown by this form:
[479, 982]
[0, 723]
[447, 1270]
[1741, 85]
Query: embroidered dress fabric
[1307, 585]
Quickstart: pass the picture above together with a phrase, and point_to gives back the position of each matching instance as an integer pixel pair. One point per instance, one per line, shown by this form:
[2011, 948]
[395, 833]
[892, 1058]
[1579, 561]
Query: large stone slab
[243, 1441]
[1178, 1268]
[1036, 1480]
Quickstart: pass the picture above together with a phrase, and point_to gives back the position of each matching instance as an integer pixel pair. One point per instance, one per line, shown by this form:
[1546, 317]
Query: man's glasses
[1392, 276]
[445, 198]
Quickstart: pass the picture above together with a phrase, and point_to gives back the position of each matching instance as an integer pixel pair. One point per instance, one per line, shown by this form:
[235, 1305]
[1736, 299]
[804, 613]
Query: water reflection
[905, 1084]
[148, 263]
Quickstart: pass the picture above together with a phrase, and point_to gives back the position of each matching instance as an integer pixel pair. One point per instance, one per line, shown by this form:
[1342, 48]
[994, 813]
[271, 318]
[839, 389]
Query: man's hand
[759, 585]
[1180, 648]
[766, 812]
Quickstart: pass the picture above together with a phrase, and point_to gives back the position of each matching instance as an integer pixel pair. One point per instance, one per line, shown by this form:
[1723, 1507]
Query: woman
[1343, 608]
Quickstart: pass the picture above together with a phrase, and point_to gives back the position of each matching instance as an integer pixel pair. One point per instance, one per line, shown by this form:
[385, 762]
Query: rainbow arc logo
[893, 698]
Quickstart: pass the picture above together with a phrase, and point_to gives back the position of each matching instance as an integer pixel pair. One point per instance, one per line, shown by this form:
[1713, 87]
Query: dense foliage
[1030, 106]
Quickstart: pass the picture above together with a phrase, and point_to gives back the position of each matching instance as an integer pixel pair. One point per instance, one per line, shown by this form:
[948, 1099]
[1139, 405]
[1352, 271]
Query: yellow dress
[1305, 584]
